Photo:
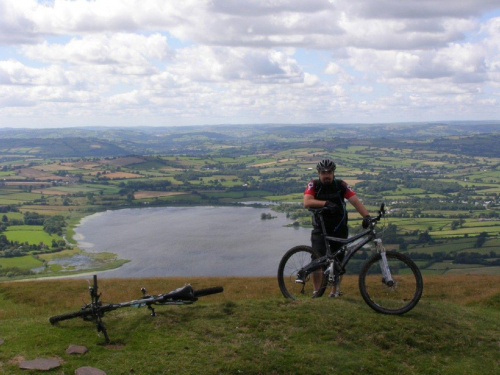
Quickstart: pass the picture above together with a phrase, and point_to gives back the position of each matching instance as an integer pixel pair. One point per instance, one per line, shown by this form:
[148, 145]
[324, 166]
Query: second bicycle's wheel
[396, 297]
[291, 263]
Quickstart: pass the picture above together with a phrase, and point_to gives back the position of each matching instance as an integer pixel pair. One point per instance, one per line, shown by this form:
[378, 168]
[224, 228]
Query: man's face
[326, 177]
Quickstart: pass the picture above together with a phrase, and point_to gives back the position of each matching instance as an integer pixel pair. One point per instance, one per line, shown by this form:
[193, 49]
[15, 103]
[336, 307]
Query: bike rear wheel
[292, 262]
[394, 298]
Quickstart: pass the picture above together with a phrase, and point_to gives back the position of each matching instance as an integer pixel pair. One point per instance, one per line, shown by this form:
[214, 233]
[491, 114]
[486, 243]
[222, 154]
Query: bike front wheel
[391, 297]
[292, 262]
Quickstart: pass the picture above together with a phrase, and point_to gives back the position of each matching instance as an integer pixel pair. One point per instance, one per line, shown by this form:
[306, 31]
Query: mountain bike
[389, 281]
[95, 310]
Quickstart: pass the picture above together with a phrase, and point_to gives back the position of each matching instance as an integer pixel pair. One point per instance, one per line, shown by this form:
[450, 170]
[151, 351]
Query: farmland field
[442, 193]
[33, 234]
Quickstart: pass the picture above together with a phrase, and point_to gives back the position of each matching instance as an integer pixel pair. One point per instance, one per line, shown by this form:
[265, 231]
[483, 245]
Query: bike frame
[335, 268]
[350, 251]
[175, 297]
[95, 310]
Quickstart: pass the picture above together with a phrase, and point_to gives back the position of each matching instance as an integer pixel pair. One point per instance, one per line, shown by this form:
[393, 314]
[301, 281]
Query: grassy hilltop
[251, 329]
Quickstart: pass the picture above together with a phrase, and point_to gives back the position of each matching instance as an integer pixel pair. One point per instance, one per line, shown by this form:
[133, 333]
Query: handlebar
[381, 212]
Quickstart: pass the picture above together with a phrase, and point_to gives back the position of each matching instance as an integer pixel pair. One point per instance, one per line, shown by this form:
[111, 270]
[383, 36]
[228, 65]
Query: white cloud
[16, 74]
[102, 49]
[213, 61]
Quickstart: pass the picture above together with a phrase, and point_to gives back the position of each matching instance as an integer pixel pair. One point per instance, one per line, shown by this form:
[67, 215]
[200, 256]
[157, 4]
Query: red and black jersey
[322, 192]
[337, 192]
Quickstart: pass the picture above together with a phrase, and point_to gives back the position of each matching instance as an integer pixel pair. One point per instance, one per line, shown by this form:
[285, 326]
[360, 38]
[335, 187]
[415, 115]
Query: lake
[191, 241]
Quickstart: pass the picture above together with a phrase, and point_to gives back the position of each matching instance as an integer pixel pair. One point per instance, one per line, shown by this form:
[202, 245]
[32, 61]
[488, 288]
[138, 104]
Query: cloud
[220, 64]
[118, 49]
[418, 9]
[212, 61]
[15, 26]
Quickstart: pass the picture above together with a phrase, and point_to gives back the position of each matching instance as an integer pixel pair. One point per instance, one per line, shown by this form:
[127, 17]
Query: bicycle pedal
[299, 281]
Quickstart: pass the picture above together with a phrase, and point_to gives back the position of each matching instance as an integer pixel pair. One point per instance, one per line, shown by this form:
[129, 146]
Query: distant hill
[59, 147]
[464, 137]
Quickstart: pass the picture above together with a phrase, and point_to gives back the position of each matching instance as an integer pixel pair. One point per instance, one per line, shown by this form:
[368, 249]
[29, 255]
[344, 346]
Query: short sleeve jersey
[312, 189]
[337, 192]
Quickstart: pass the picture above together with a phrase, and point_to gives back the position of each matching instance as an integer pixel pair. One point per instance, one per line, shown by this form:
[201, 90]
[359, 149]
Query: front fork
[384, 265]
[332, 272]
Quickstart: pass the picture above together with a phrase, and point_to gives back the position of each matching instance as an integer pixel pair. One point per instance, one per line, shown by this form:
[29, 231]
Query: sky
[66, 63]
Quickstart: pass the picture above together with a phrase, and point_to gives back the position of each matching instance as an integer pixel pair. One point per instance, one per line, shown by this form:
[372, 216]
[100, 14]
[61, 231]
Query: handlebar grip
[208, 291]
[82, 313]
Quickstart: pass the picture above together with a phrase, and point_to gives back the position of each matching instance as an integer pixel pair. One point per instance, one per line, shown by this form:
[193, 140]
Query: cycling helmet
[326, 165]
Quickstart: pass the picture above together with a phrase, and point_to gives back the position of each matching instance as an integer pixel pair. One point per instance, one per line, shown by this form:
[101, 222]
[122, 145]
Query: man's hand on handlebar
[366, 221]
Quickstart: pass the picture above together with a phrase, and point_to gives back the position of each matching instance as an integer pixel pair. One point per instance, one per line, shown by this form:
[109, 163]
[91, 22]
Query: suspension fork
[384, 265]
[334, 270]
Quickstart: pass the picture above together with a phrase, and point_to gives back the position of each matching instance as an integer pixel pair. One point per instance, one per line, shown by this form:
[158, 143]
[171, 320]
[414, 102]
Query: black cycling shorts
[318, 244]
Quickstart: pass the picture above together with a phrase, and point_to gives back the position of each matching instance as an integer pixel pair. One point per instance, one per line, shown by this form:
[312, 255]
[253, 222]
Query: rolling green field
[441, 192]
[32, 234]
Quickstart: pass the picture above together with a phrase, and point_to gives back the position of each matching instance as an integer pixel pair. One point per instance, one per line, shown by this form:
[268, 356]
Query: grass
[252, 329]
[25, 262]
[32, 234]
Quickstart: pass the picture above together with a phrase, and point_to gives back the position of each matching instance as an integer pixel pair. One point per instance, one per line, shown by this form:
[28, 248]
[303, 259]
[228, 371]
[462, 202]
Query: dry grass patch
[46, 210]
[50, 192]
[352, 181]
[460, 289]
[120, 175]
[23, 183]
[155, 194]
[82, 164]
[122, 162]
[40, 175]
[54, 167]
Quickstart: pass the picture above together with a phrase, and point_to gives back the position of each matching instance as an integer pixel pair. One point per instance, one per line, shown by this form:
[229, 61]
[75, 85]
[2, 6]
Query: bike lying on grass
[95, 310]
[389, 282]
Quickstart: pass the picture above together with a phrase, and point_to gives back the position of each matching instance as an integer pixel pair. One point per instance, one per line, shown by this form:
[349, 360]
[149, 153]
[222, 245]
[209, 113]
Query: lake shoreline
[211, 237]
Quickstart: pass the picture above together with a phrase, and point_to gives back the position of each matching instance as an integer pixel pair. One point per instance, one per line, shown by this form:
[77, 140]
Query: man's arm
[311, 202]
[358, 206]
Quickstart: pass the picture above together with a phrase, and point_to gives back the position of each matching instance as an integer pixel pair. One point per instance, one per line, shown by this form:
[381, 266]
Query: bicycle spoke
[398, 296]
[288, 274]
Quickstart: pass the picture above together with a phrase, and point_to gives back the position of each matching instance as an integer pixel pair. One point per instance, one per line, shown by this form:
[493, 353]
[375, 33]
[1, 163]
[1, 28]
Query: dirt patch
[16, 360]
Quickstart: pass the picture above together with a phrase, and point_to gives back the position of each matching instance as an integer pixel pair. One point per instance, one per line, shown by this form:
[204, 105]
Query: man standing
[331, 193]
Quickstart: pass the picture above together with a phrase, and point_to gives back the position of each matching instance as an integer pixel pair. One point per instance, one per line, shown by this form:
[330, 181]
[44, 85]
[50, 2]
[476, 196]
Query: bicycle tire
[208, 291]
[294, 260]
[76, 314]
[398, 298]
